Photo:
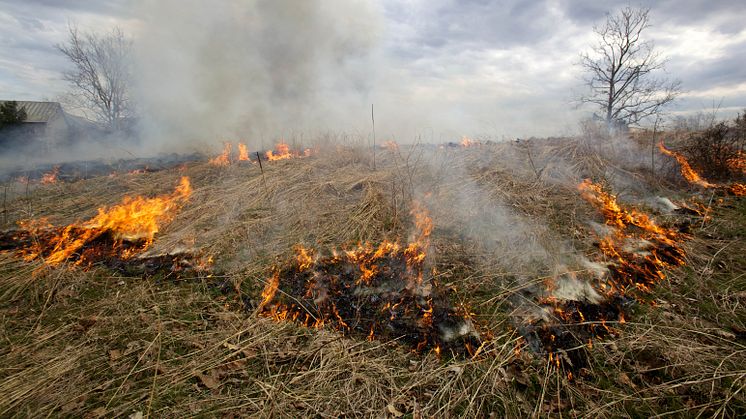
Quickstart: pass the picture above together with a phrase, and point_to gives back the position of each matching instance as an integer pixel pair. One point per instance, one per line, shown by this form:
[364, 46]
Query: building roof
[78, 121]
[38, 111]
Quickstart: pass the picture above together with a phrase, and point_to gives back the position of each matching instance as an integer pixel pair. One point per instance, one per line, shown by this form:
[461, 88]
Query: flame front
[243, 152]
[282, 152]
[686, 169]
[50, 177]
[635, 253]
[135, 221]
[640, 256]
[224, 159]
[735, 164]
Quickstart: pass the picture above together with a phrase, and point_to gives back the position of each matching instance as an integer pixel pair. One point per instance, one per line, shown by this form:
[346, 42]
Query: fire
[304, 259]
[416, 250]
[738, 163]
[243, 152]
[224, 159]
[372, 292]
[468, 142]
[737, 189]
[50, 177]
[130, 227]
[390, 145]
[686, 169]
[657, 247]
[620, 218]
[282, 152]
[735, 164]
[635, 253]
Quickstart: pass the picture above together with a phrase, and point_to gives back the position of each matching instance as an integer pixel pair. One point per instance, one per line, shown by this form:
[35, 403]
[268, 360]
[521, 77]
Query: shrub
[716, 151]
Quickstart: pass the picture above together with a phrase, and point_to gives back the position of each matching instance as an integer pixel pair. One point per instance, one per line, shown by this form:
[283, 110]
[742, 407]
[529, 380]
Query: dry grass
[89, 344]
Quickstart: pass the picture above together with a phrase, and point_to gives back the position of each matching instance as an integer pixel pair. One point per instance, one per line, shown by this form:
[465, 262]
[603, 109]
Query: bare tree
[101, 75]
[622, 71]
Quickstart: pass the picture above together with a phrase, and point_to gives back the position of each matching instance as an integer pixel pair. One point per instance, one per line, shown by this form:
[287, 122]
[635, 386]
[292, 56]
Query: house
[46, 125]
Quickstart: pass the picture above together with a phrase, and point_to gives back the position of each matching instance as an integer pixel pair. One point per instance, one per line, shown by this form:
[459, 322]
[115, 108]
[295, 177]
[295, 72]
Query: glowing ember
[738, 164]
[737, 189]
[121, 231]
[50, 177]
[243, 152]
[371, 292]
[224, 159]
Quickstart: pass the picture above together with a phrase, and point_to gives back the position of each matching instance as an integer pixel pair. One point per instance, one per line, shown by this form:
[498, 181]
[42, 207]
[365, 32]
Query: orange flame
[135, 219]
[738, 163]
[620, 218]
[329, 285]
[737, 189]
[416, 250]
[224, 159]
[282, 152]
[686, 169]
[243, 152]
[662, 249]
[270, 290]
[635, 254]
[468, 142]
[304, 259]
[51, 177]
[735, 164]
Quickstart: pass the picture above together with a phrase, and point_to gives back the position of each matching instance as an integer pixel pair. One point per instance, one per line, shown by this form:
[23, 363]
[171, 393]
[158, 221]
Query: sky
[436, 69]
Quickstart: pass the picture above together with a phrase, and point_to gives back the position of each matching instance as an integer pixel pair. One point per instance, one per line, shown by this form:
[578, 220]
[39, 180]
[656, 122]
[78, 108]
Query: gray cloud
[676, 12]
[48, 8]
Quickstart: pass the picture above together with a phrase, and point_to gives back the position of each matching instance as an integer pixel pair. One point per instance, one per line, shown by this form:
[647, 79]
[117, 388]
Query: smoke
[252, 69]
[501, 236]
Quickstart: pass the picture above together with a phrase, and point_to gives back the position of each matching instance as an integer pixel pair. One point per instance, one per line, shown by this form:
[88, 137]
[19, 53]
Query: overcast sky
[440, 68]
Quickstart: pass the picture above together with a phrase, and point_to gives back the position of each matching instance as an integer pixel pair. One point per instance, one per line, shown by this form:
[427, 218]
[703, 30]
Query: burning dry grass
[119, 232]
[96, 343]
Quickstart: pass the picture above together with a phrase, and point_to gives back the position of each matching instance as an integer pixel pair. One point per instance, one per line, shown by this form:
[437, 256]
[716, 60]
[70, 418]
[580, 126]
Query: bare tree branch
[100, 76]
[621, 71]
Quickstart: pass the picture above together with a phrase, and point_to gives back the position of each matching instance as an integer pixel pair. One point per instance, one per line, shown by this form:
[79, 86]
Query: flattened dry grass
[91, 344]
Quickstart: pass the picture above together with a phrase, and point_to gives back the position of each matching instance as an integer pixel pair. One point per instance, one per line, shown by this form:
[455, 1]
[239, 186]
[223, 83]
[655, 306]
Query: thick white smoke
[252, 69]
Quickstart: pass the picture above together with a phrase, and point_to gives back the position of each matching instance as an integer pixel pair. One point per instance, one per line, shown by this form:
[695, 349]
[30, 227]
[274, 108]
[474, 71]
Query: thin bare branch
[621, 71]
[100, 75]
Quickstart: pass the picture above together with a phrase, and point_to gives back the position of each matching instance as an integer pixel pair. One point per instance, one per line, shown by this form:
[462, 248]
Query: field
[509, 225]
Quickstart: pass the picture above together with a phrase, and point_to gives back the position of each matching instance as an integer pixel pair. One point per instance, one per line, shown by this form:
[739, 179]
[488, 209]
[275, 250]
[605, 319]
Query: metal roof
[38, 111]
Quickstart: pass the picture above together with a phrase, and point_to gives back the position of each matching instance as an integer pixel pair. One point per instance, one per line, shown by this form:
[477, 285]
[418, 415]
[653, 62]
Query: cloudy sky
[436, 68]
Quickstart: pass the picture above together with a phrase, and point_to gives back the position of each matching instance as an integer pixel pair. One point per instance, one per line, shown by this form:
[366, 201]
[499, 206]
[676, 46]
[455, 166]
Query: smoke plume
[252, 69]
